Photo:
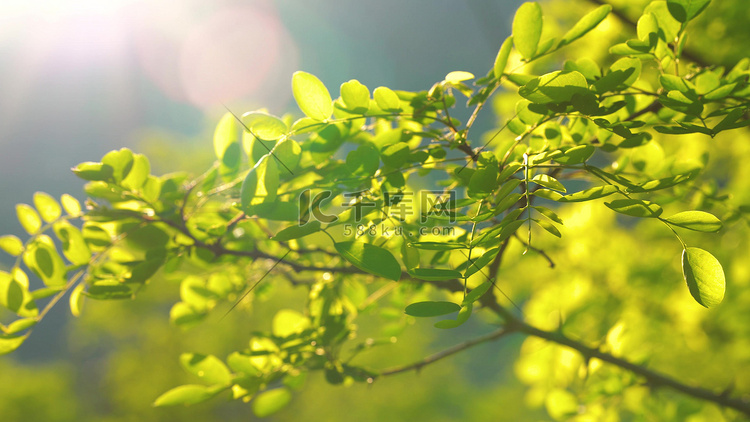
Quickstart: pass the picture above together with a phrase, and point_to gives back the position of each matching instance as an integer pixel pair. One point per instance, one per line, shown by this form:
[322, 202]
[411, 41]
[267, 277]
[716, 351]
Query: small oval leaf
[704, 276]
[527, 29]
[696, 220]
[373, 259]
[431, 309]
[312, 96]
[269, 402]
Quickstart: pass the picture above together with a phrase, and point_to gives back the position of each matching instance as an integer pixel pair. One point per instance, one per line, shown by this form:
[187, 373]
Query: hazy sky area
[79, 78]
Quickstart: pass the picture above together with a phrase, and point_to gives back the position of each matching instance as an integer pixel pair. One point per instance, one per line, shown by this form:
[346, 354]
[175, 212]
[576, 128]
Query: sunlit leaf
[548, 182]
[186, 395]
[356, 96]
[386, 99]
[47, 206]
[287, 322]
[76, 300]
[586, 24]
[527, 29]
[264, 126]
[590, 194]
[685, 10]
[28, 218]
[11, 244]
[261, 183]
[121, 162]
[696, 220]
[207, 367]
[297, 231]
[312, 96]
[501, 61]
[269, 402]
[71, 205]
[704, 276]
[555, 87]
[9, 343]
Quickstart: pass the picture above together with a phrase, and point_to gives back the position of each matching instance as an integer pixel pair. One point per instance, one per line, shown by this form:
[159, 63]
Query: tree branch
[416, 366]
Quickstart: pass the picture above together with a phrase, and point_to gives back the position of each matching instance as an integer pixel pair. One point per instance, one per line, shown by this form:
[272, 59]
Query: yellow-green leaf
[312, 96]
[47, 206]
[370, 258]
[501, 61]
[28, 218]
[269, 402]
[386, 99]
[11, 244]
[704, 276]
[527, 29]
[696, 220]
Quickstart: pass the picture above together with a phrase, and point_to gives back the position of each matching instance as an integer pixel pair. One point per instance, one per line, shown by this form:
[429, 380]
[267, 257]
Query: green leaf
[297, 231]
[261, 183]
[47, 206]
[590, 194]
[548, 182]
[42, 258]
[463, 315]
[71, 205]
[549, 227]
[386, 99]
[458, 77]
[287, 322]
[623, 73]
[370, 258]
[312, 96]
[704, 276]
[109, 290]
[356, 97]
[76, 300]
[73, 244]
[695, 220]
[19, 325]
[477, 293]
[187, 395]
[208, 367]
[439, 246]
[363, 159]
[28, 218]
[395, 155]
[227, 141]
[431, 309]
[138, 173]
[11, 244]
[264, 126]
[288, 152]
[635, 208]
[434, 274]
[483, 182]
[121, 162]
[475, 265]
[9, 343]
[269, 402]
[555, 87]
[586, 24]
[93, 171]
[527, 29]
[576, 155]
[501, 61]
[685, 10]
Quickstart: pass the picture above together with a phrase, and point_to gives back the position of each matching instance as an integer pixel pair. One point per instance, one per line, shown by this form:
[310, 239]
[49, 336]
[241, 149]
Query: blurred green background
[79, 78]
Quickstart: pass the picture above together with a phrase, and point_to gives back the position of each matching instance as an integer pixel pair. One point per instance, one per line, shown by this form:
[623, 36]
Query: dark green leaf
[434, 274]
[685, 10]
[297, 231]
[370, 258]
[431, 309]
[704, 276]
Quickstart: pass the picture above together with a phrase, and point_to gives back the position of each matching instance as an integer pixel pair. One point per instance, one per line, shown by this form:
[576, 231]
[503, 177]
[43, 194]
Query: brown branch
[416, 366]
